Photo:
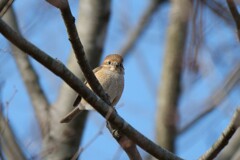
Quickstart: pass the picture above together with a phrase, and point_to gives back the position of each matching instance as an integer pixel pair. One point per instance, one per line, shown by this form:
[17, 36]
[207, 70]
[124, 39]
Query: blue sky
[42, 25]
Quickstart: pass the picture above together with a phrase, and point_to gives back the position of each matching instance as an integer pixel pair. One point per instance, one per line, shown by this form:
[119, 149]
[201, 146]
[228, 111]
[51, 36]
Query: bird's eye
[109, 62]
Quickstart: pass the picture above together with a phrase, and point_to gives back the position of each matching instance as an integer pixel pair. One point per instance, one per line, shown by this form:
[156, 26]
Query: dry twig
[216, 98]
[224, 138]
[233, 8]
[30, 78]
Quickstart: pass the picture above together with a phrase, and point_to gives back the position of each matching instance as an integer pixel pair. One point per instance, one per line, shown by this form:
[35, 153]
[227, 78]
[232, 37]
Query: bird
[110, 75]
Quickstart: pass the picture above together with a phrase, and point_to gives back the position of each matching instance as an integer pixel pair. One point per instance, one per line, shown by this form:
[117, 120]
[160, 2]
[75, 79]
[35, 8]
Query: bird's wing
[79, 98]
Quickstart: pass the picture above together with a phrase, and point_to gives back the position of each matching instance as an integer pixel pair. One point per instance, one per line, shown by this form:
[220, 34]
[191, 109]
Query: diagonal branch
[4, 5]
[141, 25]
[233, 8]
[218, 9]
[216, 98]
[130, 148]
[30, 78]
[86, 69]
[224, 138]
[92, 22]
[103, 108]
[79, 52]
[8, 141]
[232, 148]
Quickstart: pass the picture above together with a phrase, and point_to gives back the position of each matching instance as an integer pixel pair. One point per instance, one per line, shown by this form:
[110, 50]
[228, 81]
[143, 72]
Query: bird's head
[114, 62]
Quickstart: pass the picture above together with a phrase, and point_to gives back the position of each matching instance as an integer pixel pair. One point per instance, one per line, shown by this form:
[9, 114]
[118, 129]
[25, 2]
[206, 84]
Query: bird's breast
[113, 84]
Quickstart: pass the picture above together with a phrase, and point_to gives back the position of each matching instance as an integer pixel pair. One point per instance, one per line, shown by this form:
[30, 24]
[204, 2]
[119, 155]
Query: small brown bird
[111, 76]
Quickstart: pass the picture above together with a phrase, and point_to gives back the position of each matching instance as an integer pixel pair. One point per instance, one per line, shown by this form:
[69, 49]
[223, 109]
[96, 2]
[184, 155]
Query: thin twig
[213, 101]
[233, 8]
[137, 31]
[8, 141]
[30, 78]
[103, 108]
[224, 138]
[81, 149]
[218, 9]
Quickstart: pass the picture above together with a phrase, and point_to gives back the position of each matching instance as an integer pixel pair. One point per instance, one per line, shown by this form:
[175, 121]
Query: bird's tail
[71, 115]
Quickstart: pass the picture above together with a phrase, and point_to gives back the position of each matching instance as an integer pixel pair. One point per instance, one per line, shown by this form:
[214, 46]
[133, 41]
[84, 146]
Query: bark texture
[224, 138]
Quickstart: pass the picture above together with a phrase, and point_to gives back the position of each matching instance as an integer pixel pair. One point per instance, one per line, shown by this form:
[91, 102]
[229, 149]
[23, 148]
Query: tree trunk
[169, 89]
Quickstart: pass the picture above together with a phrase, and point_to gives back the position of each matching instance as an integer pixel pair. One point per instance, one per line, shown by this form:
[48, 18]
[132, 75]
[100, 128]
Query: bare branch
[233, 8]
[80, 54]
[4, 5]
[8, 141]
[127, 144]
[60, 70]
[216, 98]
[30, 78]
[130, 148]
[232, 148]
[141, 25]
[218, 10]
[224, 138]
[91, 24]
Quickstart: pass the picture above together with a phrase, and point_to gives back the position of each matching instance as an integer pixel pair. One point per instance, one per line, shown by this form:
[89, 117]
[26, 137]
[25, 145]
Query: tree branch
[77, 46]
[217, 97]
[4, 5]
[170, 87]
[8, 141]
[92, 21]
[130, 148]
[233, 8]
[80, 55]
[60, 70]
[30, 78]
[137, 31]
[224, 138]
[218, 10]
[79, 52]
[232, 148]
